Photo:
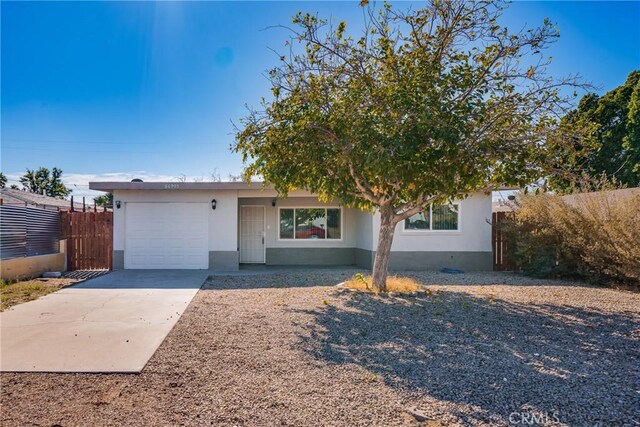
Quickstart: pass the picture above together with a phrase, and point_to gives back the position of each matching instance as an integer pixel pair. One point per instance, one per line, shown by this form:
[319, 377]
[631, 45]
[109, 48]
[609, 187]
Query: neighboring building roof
[10, 196]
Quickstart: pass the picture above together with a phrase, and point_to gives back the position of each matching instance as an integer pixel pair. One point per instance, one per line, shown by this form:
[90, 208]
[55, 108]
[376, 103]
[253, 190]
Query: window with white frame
[435, 218]
[310, 223]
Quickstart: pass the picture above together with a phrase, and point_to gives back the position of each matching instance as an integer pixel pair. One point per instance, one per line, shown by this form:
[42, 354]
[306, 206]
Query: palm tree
[41, 181]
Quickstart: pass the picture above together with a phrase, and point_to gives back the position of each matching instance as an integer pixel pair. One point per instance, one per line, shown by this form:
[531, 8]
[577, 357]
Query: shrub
[394, 283]
[593, 236]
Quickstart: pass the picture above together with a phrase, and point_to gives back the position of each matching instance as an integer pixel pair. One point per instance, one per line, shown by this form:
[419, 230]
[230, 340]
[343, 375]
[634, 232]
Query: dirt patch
[13, 293]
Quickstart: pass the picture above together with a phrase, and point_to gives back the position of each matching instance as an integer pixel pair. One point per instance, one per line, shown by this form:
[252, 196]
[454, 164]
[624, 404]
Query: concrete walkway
[113, 323]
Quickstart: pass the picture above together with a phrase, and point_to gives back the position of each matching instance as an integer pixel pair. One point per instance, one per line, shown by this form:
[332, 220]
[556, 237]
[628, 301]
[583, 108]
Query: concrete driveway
[113, 323]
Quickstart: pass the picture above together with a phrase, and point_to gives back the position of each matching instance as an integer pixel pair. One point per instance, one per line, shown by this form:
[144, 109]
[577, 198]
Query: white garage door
[166, 235]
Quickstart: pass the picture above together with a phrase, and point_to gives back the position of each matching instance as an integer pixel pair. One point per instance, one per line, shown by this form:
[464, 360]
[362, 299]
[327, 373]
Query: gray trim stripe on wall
[223, 260]
[310, 256]
[118, 260]
[468, 261]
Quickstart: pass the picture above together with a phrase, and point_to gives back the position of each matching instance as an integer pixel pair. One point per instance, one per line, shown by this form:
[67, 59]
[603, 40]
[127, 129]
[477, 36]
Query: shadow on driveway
[146, 279]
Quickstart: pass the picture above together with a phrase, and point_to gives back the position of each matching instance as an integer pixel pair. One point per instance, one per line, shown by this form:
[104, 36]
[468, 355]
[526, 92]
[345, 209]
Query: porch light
[273, 202]
[118, 204]
[213, 204]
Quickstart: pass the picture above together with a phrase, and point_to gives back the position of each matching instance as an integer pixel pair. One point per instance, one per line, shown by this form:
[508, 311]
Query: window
[334, 227]
[444, 217]
[286, 223]
[310, 223]
[419, 221]
[436, 218]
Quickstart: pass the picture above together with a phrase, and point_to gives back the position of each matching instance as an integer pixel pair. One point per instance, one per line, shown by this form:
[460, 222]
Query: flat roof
[241, 185]
[125, 185]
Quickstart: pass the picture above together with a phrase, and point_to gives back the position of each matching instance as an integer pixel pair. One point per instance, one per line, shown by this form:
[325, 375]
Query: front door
[252, 234]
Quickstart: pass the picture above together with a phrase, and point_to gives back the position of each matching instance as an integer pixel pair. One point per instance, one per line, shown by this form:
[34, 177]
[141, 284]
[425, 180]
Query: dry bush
[13, 292]
[394, 284]
[594, 236]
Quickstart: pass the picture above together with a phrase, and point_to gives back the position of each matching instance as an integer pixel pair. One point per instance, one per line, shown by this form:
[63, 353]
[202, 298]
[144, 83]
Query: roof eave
[111, 186]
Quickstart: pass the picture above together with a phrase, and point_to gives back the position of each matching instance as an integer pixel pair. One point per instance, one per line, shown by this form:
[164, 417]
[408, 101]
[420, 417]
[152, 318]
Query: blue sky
[115, 90]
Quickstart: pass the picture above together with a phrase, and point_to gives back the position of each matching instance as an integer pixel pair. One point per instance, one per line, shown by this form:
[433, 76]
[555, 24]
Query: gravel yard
[288, 348]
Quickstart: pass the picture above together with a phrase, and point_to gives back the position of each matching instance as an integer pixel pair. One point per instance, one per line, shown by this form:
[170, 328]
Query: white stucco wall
[349, 228]
[474, 233]
[222, 221]
[359, 229]
[364, 230]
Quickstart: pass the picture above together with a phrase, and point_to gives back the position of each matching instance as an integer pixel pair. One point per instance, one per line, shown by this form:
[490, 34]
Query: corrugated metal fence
[27, 231]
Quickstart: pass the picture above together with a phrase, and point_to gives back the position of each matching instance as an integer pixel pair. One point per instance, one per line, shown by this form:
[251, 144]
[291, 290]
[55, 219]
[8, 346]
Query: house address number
[171, 186]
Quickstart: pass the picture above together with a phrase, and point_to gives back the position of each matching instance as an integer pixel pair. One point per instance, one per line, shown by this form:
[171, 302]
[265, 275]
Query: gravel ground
[286, 349]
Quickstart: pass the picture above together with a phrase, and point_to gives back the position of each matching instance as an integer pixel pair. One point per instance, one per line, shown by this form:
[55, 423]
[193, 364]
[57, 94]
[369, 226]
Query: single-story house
[221, 225]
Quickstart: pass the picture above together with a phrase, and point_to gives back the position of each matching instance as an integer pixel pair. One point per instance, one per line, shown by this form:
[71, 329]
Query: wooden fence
[89, 239]
[501, 261]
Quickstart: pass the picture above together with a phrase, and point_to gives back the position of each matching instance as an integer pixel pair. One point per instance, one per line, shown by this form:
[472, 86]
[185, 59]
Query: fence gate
[89, 239]
[501, 261]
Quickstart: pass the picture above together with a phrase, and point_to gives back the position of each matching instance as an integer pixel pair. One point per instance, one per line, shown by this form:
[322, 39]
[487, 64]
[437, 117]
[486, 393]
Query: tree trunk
[385, 238]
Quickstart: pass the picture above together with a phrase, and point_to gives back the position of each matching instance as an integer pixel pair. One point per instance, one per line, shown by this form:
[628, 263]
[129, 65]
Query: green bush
[593, 236]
